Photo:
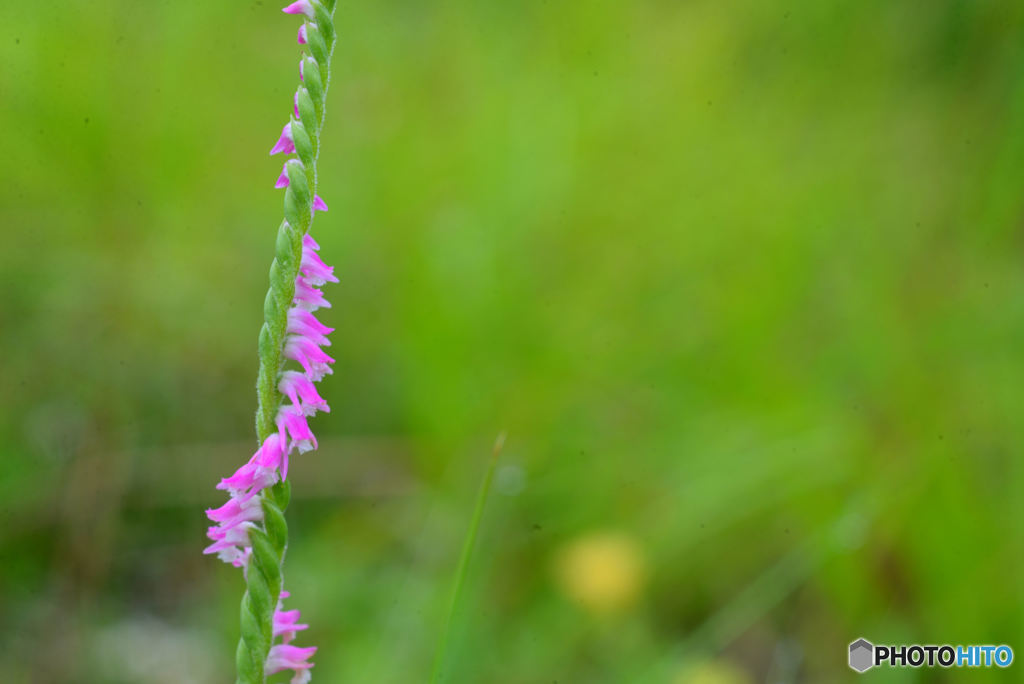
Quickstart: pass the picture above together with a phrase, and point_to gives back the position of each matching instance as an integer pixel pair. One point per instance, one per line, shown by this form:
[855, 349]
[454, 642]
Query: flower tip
[302, 35]
[282, 180]
[285, 143]
[319, 204]
[300, 7]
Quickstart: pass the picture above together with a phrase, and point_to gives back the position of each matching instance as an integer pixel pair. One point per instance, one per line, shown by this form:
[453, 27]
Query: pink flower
[308, 297]
[302, 322]
[319, 204]
[225, 538]
[248, 481]
[236, 511]
[312, 359]
[302, 35]
[286, 624]
[300, 7]
[294, 424]
[305, 323]
[259, 473]
[282, 180]
[284, 143]
[295, 104]
[306, 400]
[314, 271]
[288, 657]
[237, 557]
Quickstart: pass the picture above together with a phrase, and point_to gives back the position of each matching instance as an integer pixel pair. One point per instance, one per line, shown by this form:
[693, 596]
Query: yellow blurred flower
[601, 571]
[712, 672]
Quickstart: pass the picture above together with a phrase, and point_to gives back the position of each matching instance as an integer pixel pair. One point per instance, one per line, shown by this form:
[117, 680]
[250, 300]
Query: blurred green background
[742, 281]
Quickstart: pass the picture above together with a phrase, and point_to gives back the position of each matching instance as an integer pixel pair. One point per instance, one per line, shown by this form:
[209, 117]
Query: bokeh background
[741, 280]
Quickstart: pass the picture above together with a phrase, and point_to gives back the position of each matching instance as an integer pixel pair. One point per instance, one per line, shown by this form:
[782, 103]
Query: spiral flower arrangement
[250, 531]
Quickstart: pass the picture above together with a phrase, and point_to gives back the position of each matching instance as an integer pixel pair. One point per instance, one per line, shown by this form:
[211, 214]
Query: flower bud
[301, 142]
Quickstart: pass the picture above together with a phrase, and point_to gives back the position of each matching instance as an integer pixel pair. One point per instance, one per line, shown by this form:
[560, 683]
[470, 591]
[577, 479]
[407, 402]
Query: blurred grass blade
[467, 551]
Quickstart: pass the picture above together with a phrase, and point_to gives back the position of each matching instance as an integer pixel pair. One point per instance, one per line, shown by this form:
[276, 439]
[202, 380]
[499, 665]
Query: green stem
[467, 551]
[270, 540]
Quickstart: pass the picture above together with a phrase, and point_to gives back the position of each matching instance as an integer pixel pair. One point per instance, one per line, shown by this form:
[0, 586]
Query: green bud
[288, 242]
[297, 182]
[293, 210]
[271, 311]
[324, 21]
[303, 145]
[307, 110]
[279, 272]
[261, 602]
[267, 561]
[314, 83]
[252, 632]
[277, 528]
[282, 289]
[282, 493]
[249, 669]
[266, 346]
[316, 44]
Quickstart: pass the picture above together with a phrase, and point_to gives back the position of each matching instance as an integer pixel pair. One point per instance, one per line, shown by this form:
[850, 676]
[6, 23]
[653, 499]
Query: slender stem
[467, 551]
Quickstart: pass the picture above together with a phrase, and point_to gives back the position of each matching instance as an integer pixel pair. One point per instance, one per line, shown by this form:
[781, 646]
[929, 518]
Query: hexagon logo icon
[862, 655]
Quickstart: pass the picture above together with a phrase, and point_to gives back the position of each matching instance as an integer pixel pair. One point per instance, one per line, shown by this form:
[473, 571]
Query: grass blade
[467, 551]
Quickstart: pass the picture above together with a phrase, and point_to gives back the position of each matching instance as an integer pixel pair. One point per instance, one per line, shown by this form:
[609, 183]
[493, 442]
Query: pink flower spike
[288, 657]
[302, 35]
[319, 204]
[284, 143]
[300, 7]
[282, 180]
